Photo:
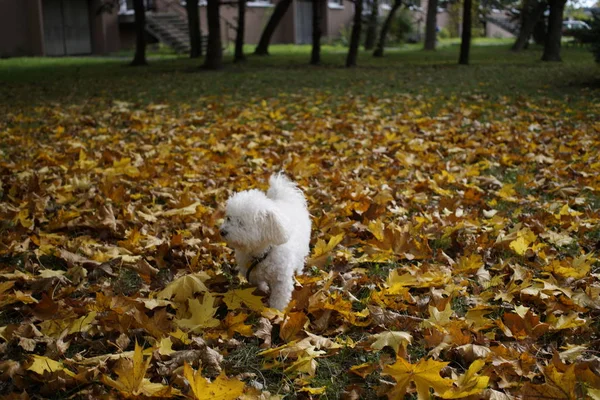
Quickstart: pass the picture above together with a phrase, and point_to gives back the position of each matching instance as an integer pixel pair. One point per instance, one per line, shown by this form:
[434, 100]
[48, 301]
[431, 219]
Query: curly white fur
[276, 223]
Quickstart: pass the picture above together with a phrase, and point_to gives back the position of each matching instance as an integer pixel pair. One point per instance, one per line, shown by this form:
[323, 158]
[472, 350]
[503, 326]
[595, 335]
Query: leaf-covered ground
[454, 243]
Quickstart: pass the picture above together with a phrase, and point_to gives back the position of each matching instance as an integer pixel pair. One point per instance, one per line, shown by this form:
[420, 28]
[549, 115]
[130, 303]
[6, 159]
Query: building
[56, 28]
[79, 27]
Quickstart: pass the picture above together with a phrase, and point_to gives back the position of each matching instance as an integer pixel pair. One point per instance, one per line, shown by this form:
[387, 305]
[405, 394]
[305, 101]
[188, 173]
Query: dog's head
[253, 221]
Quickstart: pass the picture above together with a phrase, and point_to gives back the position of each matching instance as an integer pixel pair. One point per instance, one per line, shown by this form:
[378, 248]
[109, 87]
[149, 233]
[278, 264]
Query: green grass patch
[494, 71]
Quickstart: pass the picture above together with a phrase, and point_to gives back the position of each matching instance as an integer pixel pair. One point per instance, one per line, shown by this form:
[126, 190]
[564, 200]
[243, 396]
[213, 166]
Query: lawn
[455, 215]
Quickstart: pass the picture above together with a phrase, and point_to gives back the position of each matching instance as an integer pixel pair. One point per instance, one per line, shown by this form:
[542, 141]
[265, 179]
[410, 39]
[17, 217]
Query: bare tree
[140, 33]
[372, 25]
[315, 58]
[431, 25]
[214, 52]
[355, 35]
[191, 6]
[386, 28]
[465, 42]
[555, 19]
[262, 49]
[530, 14]
[239, 37]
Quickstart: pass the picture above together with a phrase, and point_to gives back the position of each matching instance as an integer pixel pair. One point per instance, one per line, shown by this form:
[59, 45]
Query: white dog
[270, 234]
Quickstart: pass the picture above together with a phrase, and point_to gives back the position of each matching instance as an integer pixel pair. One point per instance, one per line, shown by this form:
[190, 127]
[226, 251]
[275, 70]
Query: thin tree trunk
[355, 35]
[214, 52]
[386, 28]
[555, 19]
[239, 37]
[262, 49]
[315, 58]
[431, 25]
[194, 27]
[465, 42]
[372, 28]
[531, 14]
[140, 33]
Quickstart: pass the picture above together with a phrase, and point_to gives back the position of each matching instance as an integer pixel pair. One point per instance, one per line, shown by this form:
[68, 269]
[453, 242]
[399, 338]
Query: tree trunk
[372, 27]
[214, 52]
[530, 15]
[239, 37]
[386, 28]
[465, 41]
[140, 33]
[555, 19]
[540, 31]
[262, 49]
[355, 35]
[315, 58]
[194, 27]
[431, 25]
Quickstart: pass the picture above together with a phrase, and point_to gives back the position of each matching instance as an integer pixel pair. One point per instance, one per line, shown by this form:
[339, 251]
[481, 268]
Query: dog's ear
[276, 230]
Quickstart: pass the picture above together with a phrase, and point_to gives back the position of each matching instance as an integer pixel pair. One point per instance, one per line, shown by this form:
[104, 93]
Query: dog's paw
[263, 287]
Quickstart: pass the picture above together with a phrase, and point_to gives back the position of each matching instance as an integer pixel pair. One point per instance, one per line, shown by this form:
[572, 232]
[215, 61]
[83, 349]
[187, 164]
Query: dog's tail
[281, 188]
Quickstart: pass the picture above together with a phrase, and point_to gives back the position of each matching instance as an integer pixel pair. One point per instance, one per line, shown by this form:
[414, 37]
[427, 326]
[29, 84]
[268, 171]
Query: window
[336, 4]
[260, 3]
[126, 6]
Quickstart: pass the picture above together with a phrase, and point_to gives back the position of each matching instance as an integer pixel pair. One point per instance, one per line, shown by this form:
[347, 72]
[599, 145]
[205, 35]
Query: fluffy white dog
[270, 234]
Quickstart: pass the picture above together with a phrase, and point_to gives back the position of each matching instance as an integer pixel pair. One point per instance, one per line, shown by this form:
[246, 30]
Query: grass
[494, 71]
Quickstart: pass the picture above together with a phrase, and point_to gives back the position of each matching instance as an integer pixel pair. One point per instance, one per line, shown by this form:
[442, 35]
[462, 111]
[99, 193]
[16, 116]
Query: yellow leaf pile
[453, 254]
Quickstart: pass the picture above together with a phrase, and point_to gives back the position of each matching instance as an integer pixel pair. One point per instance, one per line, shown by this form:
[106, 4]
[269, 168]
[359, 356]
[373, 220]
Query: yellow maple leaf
[393, 339]
[202, 314]
[235, 323]
[377, 228]
[469, 383]
[525, 237]
[571, 320]
[322, 248]
[131, 381]
[235, 297]
[43, 364]
[437, 318]
[222, 388]
[469, 264]
[507, 192]
[558, 385]
[185, 287]
[165, 346]
[311, 390]
[425, 375]
[83, 324]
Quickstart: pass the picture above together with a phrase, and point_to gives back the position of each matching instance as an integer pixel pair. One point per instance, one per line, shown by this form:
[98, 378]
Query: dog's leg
[281, 293]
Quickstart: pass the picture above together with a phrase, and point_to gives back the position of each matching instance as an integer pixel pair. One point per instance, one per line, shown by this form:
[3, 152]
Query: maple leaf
[201, 315]
[391, 339]
[439, 319]
[425, 375]
[185, 287]
[132, 381]
[235, 297]
[525, 237]
[292, 325]
[43, 364]
[469, 383]
[235, 323]
[559, 385]
[222, 388]
[322, 249]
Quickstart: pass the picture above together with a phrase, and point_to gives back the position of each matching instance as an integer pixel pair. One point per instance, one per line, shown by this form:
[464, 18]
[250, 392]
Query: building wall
[105, 29]
[338, 18]
[494, 31]
[21, 32]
